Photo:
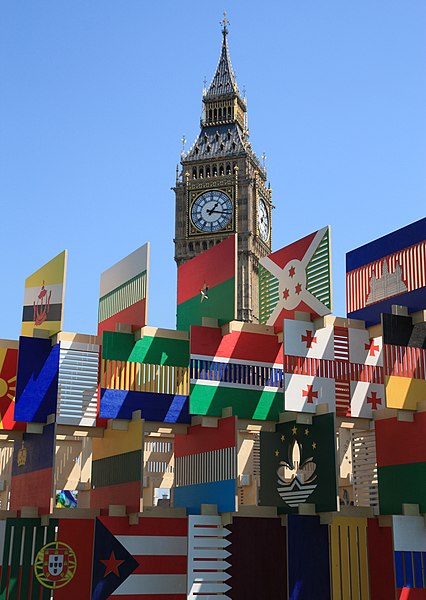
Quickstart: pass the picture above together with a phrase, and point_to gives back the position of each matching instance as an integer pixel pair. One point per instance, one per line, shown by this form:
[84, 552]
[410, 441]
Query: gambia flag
[296, 278]
[147, 561]
[207, 286]
[44, 297]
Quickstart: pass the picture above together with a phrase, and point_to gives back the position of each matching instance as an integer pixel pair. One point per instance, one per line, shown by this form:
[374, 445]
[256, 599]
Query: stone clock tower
[222, 187]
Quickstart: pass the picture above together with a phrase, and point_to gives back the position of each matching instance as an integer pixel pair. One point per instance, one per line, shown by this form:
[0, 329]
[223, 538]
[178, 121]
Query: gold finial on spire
[183, 140]
[224, 24]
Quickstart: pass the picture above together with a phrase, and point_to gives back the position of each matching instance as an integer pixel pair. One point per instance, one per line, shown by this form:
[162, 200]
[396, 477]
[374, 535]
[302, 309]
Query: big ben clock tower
[222, 188]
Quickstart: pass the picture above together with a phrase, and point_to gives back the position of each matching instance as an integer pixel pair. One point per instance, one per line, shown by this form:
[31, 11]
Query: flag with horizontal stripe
[145, 561]
[296, 278]
[409, 541]
[207, 286]
[44, 297]
[388, 270]
[124, 292]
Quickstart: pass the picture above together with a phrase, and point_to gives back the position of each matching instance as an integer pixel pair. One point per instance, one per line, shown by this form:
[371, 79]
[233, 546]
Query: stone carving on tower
[222, 187]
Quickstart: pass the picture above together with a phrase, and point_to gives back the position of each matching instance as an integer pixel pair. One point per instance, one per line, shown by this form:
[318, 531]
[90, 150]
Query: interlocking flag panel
[44, 297]
[338, 366]
[207, 286]
[296, 278]
[37, 379]
[32, 470]
[206, 467]
[117, 468]
[389, 270]
[238, 369]
[123, 296]
[404, 361]
[8, 369]
[150, 374]
[401, 457]
[298, 465]
[146, 560]
[409, 542]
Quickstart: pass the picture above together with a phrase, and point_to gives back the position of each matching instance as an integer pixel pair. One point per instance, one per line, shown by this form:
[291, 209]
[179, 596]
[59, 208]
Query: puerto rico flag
[147, 561]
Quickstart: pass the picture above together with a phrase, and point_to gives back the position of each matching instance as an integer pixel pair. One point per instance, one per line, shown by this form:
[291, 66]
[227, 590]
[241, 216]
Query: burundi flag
[296, 278]
[142, 561]
[298, 465]
[207, 286]
[44, 297]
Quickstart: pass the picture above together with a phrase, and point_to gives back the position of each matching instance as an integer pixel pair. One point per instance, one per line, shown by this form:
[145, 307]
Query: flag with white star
[296, 278]
[298, 465]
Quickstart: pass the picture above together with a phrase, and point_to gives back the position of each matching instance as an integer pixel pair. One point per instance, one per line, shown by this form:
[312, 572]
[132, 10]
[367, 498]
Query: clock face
[212, 211]
[263, 221]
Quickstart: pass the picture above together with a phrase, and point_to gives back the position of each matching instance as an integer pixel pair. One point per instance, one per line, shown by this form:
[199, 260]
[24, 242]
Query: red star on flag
[309, 338]
[309, 394]
[111, 565]
[372, 347]
[374, 400]
[286, 293]
[298, 288]
[291, 272]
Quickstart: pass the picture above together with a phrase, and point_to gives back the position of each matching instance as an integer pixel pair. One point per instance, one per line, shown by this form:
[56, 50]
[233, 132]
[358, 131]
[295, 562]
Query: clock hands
[209, 212]
[222, 212]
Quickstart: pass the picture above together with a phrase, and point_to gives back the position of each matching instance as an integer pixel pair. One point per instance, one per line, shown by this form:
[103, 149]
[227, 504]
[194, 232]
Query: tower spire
[223, 82]
[224, 24]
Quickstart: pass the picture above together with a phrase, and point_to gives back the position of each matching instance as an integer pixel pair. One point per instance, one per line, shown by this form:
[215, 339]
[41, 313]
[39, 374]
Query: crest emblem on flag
[55, 565]
[297, 277]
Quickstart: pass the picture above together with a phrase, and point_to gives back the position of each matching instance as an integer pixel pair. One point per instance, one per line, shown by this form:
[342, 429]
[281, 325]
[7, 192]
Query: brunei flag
[207, 286]
[44, 297]
[296, 278]
[147, 561]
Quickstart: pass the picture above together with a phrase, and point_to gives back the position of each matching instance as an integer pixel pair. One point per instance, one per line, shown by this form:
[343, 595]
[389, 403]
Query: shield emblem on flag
[56, 561]
[55, 565]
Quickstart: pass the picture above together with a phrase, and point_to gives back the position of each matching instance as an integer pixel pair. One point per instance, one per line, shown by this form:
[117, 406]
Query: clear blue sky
[95, 97]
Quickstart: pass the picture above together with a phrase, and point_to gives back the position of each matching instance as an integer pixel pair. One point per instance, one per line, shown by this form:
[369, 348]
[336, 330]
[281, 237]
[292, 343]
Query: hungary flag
[207, 286]
[298, 465]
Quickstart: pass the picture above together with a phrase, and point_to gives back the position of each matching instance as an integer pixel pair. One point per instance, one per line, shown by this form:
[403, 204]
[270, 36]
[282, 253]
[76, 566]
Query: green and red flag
[298, 465]
[207, 286]
[296, 278]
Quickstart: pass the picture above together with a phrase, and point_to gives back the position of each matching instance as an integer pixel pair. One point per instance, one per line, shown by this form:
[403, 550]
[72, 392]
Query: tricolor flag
[44, 297]
[301, 338]
[207, 286]
[364, 349]
[296, 278]
[409, 542]
[123, 296]
[147, 561]
[304, 392]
